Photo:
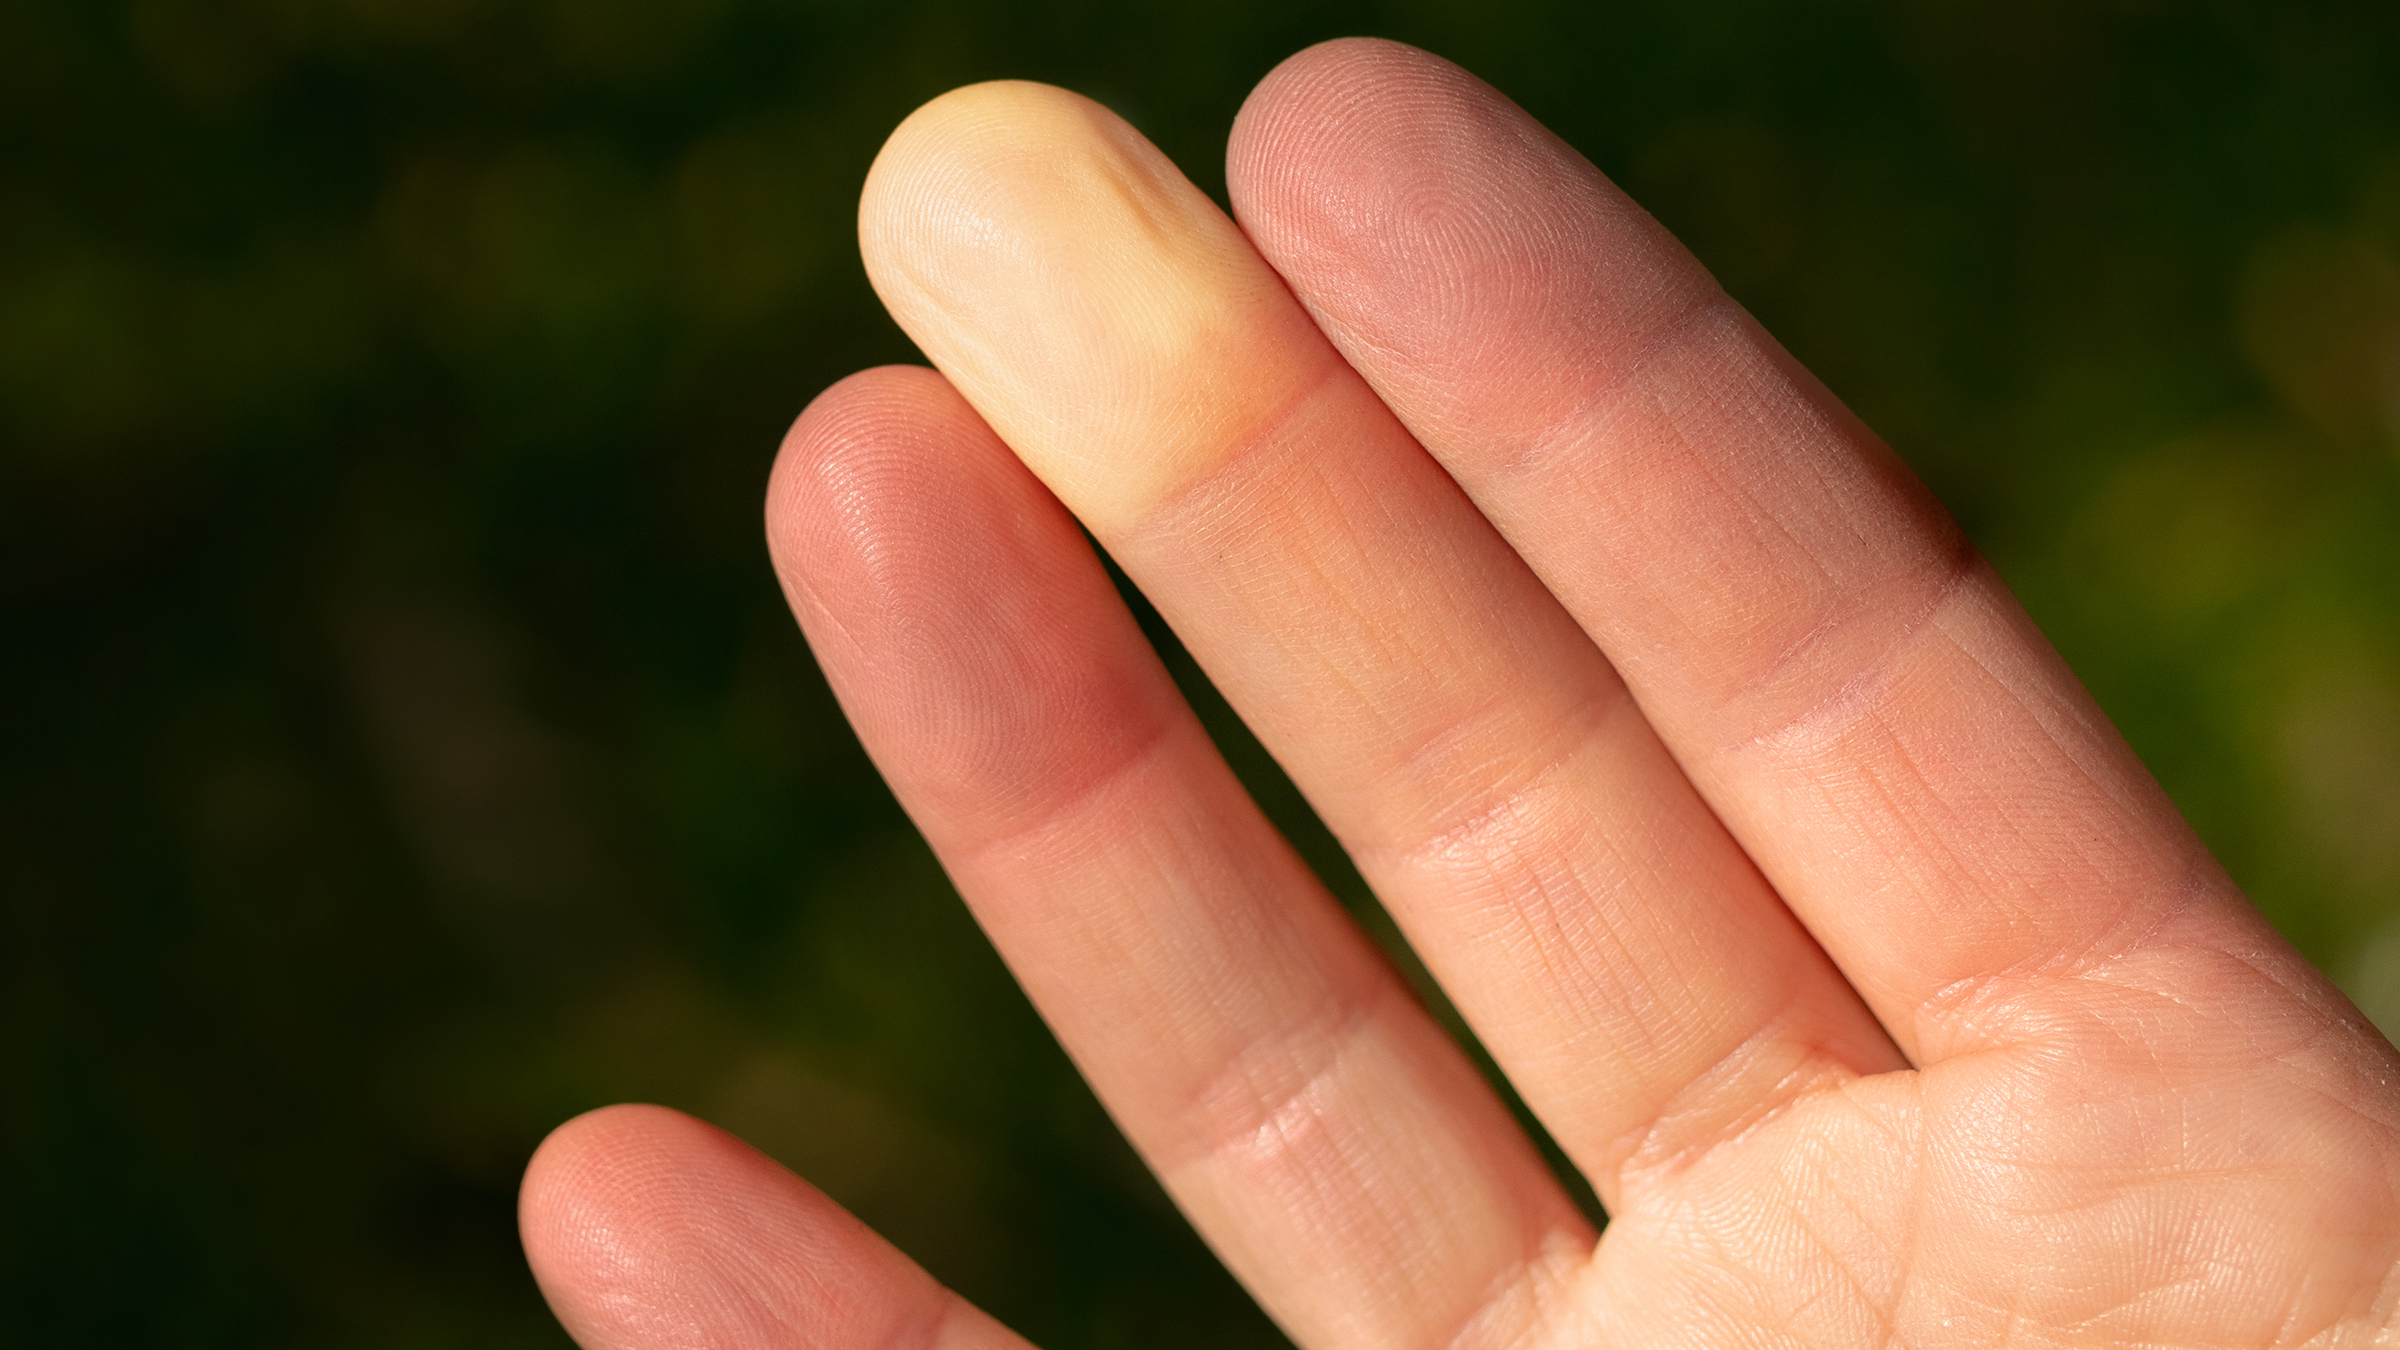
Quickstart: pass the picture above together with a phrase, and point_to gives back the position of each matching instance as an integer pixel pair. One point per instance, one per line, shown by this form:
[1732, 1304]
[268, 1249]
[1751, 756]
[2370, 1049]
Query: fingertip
[953, 178]
[617, 1160]
[1099, 311]
[597, 1152]
[980, 649]
[1297, 122]
[606, 1213]
[646, 1227]
[953, 131]
[949, 131]
[866, 398]
[1331, 65]
[889, 491]
[874, 408]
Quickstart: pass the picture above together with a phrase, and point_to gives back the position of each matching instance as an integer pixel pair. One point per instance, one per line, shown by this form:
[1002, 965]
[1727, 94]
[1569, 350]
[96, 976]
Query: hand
[1825, 922]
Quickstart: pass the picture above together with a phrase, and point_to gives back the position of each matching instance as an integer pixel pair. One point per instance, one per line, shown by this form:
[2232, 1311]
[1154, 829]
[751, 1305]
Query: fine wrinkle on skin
[1064, 800]
[1922, 795]
[1679, 321]
[1782, 1064]
[1473, 822]
[1380, 153]
[1859, 688]
[2112, 952]
[1528, 1301]
[1244, 1103]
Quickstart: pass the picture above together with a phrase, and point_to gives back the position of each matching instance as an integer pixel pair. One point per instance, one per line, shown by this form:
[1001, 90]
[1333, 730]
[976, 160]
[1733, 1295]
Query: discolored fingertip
[1097, 309]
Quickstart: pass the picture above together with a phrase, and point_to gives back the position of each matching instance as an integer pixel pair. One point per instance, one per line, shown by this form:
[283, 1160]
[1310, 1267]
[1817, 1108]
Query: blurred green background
[403, 746]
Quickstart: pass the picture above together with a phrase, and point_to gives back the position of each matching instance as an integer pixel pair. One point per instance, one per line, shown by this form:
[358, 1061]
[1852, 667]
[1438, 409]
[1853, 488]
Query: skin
[1832, 930]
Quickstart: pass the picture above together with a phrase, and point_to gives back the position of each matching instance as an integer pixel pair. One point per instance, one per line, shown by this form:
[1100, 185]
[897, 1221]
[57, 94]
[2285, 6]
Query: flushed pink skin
[2129, 1113]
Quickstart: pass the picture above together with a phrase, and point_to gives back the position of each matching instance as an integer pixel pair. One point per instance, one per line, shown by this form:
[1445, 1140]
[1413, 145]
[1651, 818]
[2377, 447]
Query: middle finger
[1479, 758]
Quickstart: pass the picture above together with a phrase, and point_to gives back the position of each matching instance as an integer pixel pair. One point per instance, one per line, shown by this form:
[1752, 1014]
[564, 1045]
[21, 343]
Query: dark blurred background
[403, 745]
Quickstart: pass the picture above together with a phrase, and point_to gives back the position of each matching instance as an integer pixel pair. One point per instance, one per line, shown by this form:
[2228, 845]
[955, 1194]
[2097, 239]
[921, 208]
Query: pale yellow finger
[1098, 310]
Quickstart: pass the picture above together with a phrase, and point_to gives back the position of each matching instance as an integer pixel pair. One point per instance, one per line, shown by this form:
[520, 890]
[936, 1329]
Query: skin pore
[1805, 895]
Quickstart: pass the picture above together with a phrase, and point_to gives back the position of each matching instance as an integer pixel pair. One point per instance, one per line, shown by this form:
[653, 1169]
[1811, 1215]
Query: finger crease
[1249, 1099]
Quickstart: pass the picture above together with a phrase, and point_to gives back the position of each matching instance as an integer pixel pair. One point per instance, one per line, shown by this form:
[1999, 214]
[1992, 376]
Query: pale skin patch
[1099, 311]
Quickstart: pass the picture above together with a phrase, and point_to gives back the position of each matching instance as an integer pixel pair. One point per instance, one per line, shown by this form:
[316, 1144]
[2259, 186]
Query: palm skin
[2090, 1195]
[1838, 940]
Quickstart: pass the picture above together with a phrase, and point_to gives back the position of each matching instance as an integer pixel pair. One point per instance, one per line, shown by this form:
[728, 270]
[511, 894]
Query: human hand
[1805, 896]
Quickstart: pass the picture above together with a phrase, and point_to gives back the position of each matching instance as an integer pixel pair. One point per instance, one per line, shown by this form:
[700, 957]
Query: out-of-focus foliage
[405, 747]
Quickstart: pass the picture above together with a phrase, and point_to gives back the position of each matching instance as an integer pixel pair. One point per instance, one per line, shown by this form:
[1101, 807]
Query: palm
[1836, 938]
[2071, 1205]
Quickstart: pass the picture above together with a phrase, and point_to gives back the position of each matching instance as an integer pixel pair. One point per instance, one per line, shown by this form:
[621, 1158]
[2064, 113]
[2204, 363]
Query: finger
[1468, 744]
[1850, 686]
[648, 1230]
[1325, 1136]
